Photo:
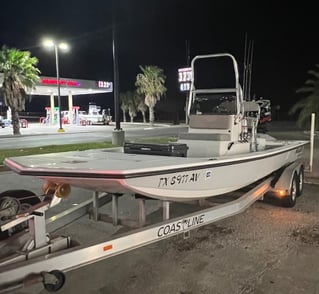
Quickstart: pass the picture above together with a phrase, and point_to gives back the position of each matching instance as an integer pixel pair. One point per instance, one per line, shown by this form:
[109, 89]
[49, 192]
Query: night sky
[154, 32]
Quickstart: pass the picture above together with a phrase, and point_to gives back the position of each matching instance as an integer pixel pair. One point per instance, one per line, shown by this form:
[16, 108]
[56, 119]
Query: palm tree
[20, 75]
[124, 105]
[150, 83]
[309, 104]
[141, 106]
[132, 104]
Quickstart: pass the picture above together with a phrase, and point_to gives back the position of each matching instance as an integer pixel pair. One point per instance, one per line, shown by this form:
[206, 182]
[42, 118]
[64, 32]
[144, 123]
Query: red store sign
[61, 82]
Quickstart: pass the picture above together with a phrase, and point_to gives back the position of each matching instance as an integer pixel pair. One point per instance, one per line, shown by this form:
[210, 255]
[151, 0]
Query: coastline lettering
[178, 179]
[180, 226]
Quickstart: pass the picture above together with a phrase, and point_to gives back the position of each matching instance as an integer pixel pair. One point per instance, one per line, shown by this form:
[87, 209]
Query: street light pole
[57, 46]
[60, 130]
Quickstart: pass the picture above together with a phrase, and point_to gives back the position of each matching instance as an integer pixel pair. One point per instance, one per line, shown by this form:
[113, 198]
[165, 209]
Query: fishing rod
[248, 61]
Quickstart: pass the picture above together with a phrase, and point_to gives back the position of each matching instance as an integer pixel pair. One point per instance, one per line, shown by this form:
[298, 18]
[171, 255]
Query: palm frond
[310, 103]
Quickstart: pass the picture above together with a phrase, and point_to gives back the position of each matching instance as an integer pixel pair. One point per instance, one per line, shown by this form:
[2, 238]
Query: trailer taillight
[281, 193]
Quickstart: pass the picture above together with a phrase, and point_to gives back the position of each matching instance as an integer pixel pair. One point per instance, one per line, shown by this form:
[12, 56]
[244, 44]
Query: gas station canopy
[49, 86]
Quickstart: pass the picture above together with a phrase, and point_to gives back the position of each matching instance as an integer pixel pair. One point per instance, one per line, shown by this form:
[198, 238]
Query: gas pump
[76, 118]
[47, 118]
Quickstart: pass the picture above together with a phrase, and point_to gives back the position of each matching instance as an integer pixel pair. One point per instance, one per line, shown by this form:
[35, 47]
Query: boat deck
[95, 160]
[115, 162]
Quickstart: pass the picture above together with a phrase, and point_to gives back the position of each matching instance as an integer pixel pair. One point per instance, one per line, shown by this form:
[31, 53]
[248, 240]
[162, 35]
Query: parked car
[2, 124]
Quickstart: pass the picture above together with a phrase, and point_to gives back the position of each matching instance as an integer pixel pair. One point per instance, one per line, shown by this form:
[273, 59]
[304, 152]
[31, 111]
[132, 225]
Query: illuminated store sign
[61, 82]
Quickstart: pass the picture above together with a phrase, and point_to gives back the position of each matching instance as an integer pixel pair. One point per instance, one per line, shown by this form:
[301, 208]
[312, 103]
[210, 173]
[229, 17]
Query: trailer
[42, 259]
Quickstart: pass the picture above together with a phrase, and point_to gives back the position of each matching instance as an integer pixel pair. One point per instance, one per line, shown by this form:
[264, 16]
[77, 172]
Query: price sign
[184, 87]
[185, 76]
[104, 84]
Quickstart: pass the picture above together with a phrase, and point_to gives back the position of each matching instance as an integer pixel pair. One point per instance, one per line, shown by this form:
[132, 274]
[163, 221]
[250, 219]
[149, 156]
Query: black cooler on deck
[169, 149]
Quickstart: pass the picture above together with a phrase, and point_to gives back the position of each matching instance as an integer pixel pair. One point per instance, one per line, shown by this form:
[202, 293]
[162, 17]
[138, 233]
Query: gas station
[48, 86]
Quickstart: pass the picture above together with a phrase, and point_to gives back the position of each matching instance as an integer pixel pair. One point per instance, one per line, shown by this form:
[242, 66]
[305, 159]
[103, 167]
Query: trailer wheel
[301, 178]
[55, 282]
[11, 203]
[22, 200]
[290, 198]
[24, 196]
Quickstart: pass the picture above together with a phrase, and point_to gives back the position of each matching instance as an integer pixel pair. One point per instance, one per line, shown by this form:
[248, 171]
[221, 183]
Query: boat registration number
[178, 179]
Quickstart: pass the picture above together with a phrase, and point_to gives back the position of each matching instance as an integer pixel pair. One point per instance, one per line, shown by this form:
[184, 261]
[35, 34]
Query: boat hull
[159, 177]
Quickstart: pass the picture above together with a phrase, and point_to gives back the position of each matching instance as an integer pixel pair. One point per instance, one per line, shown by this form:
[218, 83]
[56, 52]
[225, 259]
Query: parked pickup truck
[96, 117]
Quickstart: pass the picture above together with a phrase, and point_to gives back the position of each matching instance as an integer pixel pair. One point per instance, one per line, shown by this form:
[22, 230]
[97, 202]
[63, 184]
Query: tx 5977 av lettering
[183, 178]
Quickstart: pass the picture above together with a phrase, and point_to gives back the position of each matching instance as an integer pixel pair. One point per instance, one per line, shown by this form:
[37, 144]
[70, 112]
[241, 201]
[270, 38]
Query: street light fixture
[57, 46]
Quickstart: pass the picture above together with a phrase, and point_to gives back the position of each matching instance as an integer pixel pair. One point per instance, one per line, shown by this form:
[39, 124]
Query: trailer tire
[290, 199]
[9, 202]
[26, 199]
[301, 177]
[31, 198]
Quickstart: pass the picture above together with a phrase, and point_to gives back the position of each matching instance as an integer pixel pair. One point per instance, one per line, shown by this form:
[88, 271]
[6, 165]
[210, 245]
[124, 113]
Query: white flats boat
[220, 153]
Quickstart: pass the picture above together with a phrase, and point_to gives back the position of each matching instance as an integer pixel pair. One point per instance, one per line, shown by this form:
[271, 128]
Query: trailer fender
[289, 184]
[285, 179]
